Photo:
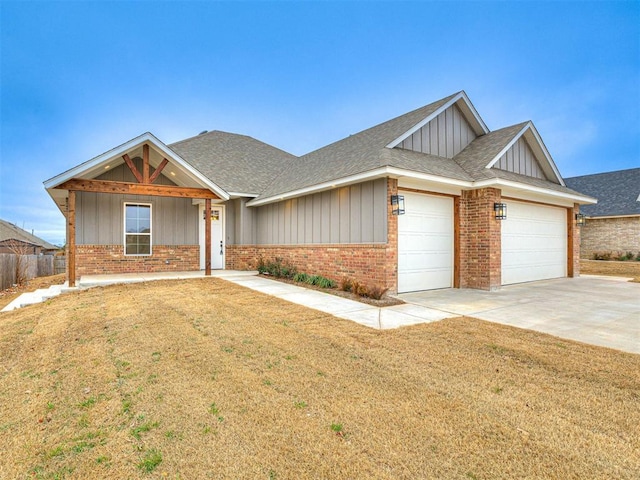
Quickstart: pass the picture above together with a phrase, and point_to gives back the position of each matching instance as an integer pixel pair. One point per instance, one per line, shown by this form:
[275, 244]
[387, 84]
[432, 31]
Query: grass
[629, 268]
[308, 396]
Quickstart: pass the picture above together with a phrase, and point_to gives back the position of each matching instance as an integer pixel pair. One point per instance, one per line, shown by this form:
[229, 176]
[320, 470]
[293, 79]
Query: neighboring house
[613, 224]
[221, 200]
[14, 239]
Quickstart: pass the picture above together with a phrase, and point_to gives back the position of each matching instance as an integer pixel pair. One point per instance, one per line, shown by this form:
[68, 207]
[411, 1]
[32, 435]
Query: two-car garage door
[534, 243]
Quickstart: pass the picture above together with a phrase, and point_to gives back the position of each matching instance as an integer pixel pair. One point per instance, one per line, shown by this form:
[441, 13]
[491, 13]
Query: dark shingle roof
[9, 231]
[617, 192]
[363, 152]
[237, 163]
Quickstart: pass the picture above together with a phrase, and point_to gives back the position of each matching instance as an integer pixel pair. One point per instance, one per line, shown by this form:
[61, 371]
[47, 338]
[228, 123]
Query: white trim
[462, 95]
[397, 172]
[201, 235]
[125, 233]
[104, 158]
[584, 200]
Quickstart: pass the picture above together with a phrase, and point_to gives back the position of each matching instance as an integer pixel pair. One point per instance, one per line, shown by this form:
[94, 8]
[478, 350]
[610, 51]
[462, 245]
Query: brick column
[391, 255]
[480, 240]
[573, 242]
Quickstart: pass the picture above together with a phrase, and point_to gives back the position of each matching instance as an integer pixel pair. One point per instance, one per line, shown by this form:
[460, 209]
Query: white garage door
[534, 243]
[425, 243]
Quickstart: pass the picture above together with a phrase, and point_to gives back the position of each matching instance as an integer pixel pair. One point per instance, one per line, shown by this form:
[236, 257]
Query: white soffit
[464, 104]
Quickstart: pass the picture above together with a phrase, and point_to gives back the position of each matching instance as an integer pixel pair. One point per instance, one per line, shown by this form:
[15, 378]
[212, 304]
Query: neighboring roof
[238, 163]
[618, 192]
[9, 231]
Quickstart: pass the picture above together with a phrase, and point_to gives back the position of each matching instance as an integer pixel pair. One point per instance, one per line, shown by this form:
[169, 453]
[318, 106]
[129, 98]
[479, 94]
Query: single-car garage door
[425, 243]
[534, 243]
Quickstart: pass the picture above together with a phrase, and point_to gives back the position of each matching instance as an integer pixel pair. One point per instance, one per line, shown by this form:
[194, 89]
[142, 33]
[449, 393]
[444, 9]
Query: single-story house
[430, 199]
[16, 240]
[613, 224]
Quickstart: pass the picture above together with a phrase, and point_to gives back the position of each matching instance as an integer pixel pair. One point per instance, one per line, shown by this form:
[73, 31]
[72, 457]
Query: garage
[534, 243]
[425, 243]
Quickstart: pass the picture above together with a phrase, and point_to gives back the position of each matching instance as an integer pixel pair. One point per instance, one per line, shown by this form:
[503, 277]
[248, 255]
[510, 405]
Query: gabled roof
[185, 173]
[238, 163]
[618, 192]
[369, 150]
[9, 231]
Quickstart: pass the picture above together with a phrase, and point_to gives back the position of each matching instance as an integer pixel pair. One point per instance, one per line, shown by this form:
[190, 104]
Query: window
[137, 227]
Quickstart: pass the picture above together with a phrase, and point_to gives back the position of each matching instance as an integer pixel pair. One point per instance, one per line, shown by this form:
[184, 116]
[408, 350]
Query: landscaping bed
[627, 268]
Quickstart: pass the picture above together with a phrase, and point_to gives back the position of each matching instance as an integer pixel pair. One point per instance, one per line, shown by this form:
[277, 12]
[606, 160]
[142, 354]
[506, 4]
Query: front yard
[205, 379]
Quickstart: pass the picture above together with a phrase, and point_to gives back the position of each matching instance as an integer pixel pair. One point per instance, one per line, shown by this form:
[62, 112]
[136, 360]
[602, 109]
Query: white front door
[217, 237]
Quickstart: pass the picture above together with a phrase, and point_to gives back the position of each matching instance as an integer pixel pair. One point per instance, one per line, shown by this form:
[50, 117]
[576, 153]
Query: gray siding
[354, 214]
[100, 216]
[520, 159]
[446, 135]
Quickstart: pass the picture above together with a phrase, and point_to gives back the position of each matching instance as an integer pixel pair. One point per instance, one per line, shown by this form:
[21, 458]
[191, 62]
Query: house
[613, 224]
[430, 199]
[14, 239]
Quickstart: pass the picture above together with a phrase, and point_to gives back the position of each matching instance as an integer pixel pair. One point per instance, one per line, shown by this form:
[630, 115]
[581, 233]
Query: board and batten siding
[446, 135]
[100, 216]
[353, 214]
[520, 159]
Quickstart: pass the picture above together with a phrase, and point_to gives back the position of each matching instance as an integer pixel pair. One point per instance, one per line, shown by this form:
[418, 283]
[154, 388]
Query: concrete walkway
[601, 311]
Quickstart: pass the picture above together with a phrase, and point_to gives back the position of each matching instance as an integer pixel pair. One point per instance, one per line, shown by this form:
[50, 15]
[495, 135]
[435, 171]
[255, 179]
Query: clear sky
[78, 78]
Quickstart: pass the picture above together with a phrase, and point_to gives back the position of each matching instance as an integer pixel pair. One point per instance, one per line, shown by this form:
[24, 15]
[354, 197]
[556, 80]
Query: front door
[217, 237]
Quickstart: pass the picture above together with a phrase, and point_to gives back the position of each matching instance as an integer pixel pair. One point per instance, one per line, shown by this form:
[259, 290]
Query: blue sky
[78, 78]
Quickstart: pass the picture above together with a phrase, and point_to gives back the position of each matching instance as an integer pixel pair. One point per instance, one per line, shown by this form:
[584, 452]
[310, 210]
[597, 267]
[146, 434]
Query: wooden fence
[30, 266]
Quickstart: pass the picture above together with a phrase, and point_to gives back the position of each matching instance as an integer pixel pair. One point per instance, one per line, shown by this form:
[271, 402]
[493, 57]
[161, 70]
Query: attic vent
[203, 132]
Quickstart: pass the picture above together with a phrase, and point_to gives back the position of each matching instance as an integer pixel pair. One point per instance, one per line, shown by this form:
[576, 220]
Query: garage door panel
[425, 243]
[534, 243]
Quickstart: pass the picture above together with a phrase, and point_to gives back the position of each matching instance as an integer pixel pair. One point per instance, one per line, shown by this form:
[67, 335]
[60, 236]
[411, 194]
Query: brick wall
[107, 259]
[480, 240]
[372, 263]
[574, 235]
[610, 235]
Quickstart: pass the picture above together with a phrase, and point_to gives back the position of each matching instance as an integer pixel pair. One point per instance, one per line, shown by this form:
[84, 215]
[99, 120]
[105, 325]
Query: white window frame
[150, 234]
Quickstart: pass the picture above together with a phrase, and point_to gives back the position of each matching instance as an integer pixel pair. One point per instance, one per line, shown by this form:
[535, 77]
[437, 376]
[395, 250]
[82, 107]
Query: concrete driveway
[601, 311]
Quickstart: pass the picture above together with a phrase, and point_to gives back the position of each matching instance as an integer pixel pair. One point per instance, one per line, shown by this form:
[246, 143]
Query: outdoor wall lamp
[580, 219]
[397, 204]
[500, 210]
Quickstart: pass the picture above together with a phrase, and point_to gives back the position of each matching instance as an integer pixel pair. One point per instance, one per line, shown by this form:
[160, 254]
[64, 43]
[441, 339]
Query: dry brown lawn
[205, 379]
[629, 268]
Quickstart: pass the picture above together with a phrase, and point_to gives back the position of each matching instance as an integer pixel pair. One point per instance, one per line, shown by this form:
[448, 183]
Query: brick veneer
[480, 240]
[106, 259]
[575, 235]
[610, 235]
[371, 263]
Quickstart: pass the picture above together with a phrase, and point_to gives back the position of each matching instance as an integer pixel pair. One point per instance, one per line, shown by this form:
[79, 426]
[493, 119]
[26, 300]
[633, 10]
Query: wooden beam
[207, 237]
[106, 186]
[132, 167]
[158, 170]
[71, 238]
[145, 163]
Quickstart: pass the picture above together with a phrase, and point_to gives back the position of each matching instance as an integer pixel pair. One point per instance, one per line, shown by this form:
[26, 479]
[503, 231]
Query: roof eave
[499, 182]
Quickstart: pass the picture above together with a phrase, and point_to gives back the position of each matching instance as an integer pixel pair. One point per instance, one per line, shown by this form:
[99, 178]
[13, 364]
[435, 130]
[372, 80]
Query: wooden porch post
[207, 236]
[71, 237]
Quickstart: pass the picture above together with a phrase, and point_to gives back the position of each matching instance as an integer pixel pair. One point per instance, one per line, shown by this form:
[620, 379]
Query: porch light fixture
[397, 204]
[500, 210]
[580, 219]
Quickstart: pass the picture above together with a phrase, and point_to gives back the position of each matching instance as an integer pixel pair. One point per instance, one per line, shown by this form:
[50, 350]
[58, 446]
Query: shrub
[277, 268]
[346, 284]
[301, 278]
[377, 292]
